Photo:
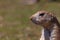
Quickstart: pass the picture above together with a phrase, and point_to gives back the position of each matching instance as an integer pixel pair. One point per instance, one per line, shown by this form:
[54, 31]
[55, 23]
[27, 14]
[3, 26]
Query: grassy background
[14, 19]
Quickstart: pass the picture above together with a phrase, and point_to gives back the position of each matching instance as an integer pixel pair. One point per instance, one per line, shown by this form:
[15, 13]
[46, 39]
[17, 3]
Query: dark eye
[42, 14]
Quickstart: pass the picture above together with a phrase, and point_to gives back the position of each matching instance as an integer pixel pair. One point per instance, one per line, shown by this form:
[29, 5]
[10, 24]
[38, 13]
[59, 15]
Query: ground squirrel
[51, 26]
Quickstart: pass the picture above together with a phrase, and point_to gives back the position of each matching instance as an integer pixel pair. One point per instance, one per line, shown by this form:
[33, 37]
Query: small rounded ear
[52, 15]
[56, 21]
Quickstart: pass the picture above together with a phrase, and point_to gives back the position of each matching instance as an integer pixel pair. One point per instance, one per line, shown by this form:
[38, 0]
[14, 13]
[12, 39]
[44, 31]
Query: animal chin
[36, 22]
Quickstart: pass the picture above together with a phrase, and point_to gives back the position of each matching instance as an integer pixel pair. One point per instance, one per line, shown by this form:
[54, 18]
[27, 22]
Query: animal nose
[32, 19]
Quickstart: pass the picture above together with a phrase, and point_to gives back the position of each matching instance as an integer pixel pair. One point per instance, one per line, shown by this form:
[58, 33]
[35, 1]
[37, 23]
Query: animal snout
[33, 19]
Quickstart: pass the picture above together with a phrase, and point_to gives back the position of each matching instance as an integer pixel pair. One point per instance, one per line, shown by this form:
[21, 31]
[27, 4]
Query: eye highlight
[42, 14]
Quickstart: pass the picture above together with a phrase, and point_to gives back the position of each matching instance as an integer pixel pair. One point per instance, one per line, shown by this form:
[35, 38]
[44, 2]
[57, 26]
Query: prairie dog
[51, 26]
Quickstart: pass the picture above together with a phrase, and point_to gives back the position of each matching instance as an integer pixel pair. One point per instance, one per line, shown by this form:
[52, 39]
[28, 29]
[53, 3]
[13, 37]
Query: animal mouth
[36, 22]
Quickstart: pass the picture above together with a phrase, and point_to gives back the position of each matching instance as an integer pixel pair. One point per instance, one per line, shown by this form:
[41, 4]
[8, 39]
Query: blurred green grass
[14, 19]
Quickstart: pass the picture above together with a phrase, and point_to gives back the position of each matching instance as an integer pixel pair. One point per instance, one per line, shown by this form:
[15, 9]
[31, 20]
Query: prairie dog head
[43, 18]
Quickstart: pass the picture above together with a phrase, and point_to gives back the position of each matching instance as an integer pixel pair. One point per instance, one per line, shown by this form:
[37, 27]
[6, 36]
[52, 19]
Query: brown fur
[46, 19]
[56, 29]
